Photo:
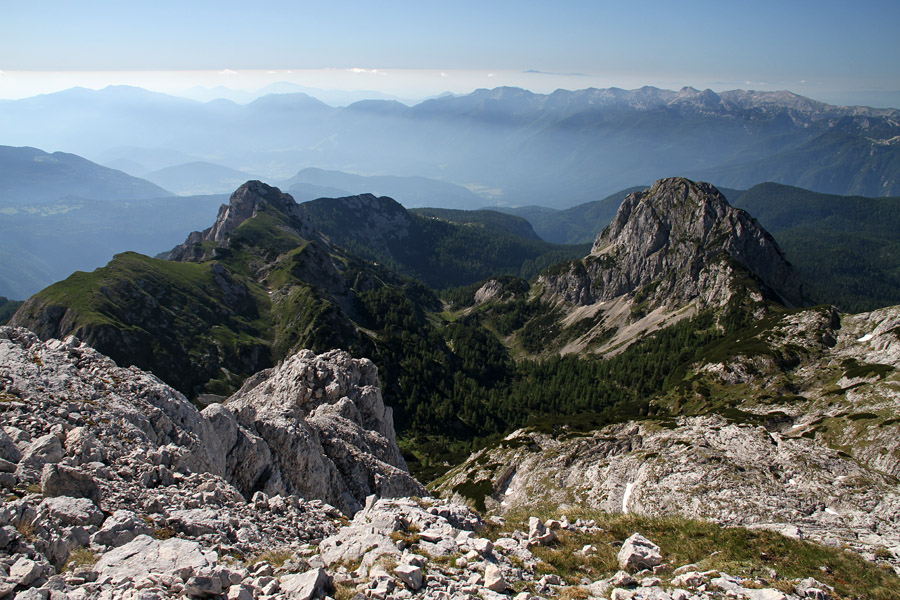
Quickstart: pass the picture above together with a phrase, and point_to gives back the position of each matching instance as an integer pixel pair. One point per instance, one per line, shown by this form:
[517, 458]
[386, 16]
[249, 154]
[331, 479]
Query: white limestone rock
[638, 553]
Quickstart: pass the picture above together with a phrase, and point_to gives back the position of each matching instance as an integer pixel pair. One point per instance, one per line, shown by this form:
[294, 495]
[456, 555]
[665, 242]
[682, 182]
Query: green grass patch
[737, 551]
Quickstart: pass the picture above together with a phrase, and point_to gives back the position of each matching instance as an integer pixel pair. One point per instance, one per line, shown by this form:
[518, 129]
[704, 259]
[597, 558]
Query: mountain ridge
[569, 147]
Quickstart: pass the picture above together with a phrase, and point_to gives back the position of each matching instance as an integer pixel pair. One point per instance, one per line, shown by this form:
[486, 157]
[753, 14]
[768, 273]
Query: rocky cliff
[672, 250]
[245, 203]
[673, 237]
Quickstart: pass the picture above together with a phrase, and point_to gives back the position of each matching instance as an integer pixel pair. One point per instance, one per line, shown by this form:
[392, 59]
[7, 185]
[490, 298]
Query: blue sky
[826, 47]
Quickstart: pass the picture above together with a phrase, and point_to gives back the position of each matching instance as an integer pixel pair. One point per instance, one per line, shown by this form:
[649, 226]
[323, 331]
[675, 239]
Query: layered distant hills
[509, 145]
[32, 176]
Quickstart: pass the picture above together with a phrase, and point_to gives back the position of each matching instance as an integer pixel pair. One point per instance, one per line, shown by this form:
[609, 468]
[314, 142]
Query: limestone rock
[8, 449]
[71, 511]
[327, 429]
[59, 480]
[120, 528]
[24, 571]
[638, 553]
[679, 226]
[411, 575]
[305, 586]
[145, 555]
[494, 580]
[43, 450]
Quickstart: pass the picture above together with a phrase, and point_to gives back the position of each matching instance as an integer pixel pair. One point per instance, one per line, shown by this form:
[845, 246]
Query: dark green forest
[455, 386]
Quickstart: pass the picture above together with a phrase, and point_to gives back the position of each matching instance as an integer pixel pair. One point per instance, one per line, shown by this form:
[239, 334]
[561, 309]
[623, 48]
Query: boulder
[144, 555]
[494, 580]
[59, 480]
[8, 449]
[24, 571]
[202, 586]
[538, 534]
[71, 512]
[305, 586]
[411, 575]
[638, 553]
[46, 449]
[120, 528]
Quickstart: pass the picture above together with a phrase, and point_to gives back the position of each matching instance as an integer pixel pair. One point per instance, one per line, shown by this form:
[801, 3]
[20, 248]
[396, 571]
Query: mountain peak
[245, 203]
[675, 243]
[682, 226]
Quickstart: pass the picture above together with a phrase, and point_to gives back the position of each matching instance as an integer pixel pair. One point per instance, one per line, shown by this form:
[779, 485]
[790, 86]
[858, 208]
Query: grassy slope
[737, 551]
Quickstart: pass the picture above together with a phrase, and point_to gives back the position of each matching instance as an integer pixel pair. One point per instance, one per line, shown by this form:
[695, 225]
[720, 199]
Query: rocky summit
[678, 237]
[245, 203]
[672, 250]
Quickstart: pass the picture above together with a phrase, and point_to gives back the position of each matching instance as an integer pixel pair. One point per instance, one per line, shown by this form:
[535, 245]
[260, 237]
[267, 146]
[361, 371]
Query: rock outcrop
[680, 238]
[245, 203]
[327, 430]
[101, 456]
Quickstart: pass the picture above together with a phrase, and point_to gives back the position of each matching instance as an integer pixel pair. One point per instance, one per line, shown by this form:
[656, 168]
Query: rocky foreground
[118, 487]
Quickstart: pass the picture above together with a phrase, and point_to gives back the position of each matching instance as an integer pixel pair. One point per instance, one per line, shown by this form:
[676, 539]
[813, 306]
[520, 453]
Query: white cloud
[227, 72]
[358, 70]
[490, 74]
[442, 74]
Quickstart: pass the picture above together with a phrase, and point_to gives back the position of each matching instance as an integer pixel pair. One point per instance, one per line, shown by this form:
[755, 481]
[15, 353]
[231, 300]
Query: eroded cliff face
[244, 204]
[672, 250]
[313, 427]
[674, 240]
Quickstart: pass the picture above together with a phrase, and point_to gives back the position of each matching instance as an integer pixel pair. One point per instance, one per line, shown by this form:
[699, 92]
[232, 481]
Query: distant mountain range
[409, 191]
[198, 177]
[510, 146]
[31, 176]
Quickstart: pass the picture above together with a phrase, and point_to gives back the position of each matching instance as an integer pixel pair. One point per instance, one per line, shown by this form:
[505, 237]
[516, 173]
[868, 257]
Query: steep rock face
[314, 427]
[330, 434]
[244, 204]
[674, 237]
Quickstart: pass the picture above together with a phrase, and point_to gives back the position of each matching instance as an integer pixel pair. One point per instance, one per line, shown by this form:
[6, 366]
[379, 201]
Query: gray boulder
[144, 555]
[24, 571]
[59, 480]
[8, 449]
[45, 449]
[71, 512]
[120, 528]
[638, 553]
[305, 586]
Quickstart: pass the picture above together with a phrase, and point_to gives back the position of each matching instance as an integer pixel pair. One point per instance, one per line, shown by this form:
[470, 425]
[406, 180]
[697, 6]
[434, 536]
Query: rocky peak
[683, 239]
[245, 203]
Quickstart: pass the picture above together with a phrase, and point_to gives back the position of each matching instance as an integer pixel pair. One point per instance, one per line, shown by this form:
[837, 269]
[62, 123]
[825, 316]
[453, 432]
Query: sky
[839, 52]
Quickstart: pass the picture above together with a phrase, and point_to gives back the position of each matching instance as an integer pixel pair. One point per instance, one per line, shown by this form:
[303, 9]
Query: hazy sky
[824, 49]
